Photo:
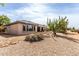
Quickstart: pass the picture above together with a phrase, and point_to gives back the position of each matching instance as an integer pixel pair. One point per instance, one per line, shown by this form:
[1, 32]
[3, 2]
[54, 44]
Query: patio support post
[36, 28]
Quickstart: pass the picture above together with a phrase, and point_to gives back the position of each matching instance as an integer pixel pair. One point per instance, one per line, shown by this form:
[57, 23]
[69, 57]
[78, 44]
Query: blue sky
[39, 12]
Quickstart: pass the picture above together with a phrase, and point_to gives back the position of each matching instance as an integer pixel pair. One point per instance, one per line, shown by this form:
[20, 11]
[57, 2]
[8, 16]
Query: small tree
[62, 24]
[52, 25]
[58, 25]
[3, 21]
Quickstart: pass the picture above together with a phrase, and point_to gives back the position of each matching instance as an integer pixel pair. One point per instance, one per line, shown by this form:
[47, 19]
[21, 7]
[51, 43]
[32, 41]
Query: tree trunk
[54, 34]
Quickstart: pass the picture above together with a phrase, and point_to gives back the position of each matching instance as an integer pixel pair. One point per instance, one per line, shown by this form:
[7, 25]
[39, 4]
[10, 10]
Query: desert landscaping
[39, 29]
[26, 38]
[63, 44]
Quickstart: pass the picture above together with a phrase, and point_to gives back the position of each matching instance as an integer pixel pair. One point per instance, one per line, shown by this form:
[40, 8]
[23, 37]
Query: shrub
[34, 37]
[27, 38]
[73, 29]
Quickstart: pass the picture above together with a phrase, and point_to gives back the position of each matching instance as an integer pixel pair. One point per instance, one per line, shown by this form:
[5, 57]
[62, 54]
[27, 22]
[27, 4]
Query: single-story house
[24, 27]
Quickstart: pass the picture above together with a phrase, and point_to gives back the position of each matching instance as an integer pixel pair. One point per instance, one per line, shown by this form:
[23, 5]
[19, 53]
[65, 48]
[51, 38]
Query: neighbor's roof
[24, 22]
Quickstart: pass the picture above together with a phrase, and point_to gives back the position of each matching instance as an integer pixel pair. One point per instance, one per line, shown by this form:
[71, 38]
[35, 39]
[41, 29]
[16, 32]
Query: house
[24, 27]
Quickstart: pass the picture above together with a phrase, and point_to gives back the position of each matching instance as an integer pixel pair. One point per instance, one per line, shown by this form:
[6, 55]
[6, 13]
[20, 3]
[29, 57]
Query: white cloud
[36, 12]
[39, 12]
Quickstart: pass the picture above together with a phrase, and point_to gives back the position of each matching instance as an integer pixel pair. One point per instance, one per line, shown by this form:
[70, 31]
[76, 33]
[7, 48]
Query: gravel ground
[48, 47]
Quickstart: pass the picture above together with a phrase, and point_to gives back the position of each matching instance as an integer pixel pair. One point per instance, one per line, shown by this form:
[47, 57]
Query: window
[24, 28]
[29, 28]
[42, 29]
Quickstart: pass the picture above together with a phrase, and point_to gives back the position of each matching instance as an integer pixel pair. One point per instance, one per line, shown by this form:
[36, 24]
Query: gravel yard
[47, 47]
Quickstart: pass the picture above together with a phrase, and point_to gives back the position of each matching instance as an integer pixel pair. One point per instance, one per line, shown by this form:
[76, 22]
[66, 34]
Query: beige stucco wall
[14, 29]
[18, 29]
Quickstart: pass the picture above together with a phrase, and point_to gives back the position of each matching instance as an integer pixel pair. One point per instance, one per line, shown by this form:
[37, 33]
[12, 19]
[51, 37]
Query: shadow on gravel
[54, 39]
[70, 34]
[69, 38]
